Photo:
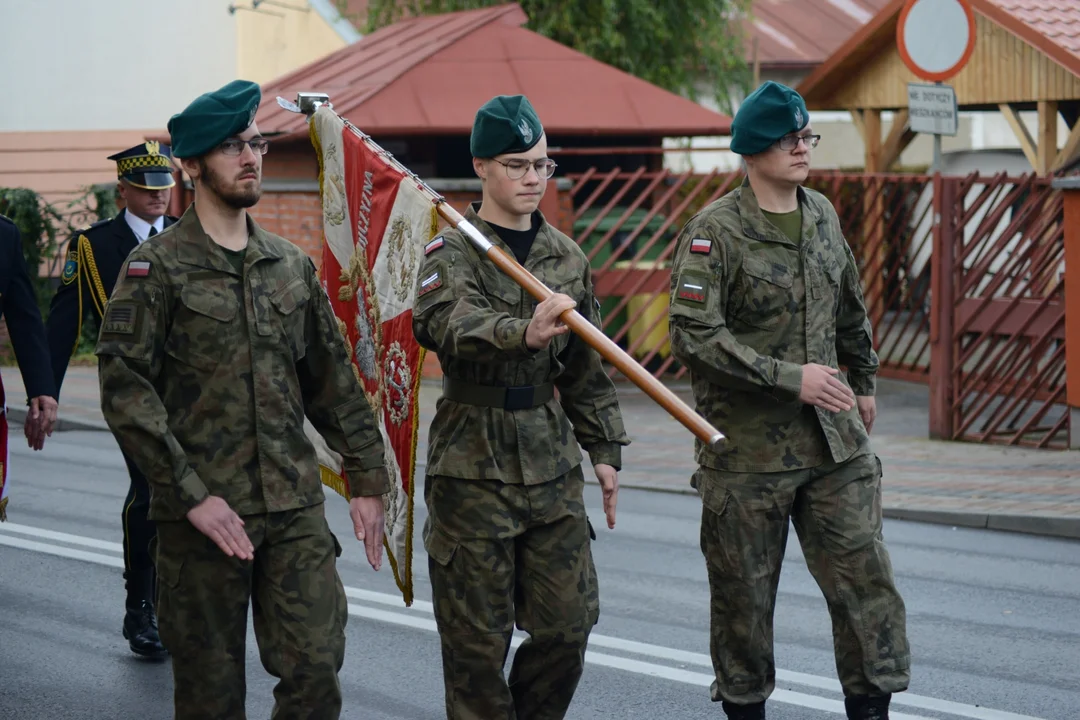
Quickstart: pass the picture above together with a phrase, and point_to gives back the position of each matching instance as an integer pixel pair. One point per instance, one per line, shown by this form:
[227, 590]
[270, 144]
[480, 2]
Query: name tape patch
[700, 245]
[120, 320]
[690, 290]
[431, 282]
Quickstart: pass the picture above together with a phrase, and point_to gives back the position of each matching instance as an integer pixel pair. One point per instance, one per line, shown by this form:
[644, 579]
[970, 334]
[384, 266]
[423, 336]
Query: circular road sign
[936, 37]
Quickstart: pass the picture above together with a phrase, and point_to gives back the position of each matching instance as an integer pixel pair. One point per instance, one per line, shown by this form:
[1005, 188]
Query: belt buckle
[519, 398]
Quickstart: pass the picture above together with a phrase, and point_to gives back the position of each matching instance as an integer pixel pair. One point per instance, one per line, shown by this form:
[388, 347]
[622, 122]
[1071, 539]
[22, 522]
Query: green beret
[505, 124]
[766, 115]
[214, 117]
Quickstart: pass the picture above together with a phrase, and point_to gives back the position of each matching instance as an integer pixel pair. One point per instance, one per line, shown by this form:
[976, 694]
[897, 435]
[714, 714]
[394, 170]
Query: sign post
[935, 39]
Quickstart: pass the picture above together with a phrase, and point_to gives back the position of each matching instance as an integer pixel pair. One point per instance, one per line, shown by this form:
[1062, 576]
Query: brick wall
[296, 216]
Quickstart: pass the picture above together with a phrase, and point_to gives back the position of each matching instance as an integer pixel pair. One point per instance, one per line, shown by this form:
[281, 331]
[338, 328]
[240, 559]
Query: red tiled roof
[790, 33]
[1056, 20]
[428, 75]
[804, 33]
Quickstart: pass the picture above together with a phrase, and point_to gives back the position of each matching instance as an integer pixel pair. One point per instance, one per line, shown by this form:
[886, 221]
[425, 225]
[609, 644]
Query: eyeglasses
[517, 169]
[789, 142]
[234, 147]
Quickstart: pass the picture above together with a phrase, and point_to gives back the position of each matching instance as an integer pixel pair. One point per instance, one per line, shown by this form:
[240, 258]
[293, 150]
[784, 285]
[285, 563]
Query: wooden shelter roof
[1026, 51]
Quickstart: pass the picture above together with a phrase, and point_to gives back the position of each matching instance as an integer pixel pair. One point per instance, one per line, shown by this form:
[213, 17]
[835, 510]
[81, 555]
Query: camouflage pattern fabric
[836, 510]
[475, 320]
[298, 608]
[206, 376]
[502, 553]
[748, 309]
[507, 536]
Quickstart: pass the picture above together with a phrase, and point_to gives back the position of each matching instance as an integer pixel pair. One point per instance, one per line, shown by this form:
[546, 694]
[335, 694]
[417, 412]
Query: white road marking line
[110, 560]
[62, 537]
[637, 667]
[613, 643]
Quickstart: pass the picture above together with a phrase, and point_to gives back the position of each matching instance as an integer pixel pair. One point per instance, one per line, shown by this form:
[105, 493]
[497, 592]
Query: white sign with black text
[932, 109]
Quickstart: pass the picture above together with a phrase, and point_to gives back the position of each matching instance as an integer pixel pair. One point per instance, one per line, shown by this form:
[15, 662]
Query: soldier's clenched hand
[545, 323]
[369, 523]
[822, 388]
[216, 520]
[609, 485]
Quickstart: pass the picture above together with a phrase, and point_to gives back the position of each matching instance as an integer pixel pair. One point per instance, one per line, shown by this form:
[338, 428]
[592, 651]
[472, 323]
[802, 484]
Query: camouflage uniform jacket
[206, 376]
[742, 323]
[475, 319]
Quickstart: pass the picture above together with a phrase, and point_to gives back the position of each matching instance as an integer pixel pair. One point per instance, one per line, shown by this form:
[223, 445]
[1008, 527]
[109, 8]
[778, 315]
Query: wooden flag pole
[309, 103]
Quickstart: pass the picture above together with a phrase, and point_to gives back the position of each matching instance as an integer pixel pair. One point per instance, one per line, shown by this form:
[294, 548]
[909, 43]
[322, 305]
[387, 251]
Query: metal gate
[999, 335]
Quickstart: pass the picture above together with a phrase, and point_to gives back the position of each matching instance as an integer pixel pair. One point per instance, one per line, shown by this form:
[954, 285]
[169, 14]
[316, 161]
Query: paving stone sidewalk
[964, 484]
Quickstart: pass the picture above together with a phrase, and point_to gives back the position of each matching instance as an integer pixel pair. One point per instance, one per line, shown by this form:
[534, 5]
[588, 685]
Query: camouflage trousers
[499, 554]
[836, 510]
[298, 609]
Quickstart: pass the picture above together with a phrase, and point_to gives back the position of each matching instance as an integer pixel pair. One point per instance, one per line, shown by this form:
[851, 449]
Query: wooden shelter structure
[1026, 57]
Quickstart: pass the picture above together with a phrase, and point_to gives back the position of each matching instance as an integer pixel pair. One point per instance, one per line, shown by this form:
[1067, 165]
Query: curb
[1040, 525]
[1043, 525]
[18, 415]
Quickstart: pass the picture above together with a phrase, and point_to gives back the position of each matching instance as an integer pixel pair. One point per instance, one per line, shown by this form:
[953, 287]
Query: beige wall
[109, 65]
[269, 46]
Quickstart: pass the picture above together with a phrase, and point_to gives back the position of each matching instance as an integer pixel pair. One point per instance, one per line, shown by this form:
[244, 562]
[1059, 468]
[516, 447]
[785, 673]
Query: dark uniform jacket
[93, 263]
[18, 305]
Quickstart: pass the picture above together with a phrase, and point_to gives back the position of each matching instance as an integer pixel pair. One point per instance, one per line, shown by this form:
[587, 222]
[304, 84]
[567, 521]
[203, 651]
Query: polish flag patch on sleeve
[433, 245]
[700, 245]
[138, 268]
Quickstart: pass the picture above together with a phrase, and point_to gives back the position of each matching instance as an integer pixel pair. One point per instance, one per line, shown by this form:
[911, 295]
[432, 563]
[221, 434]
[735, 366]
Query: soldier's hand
[216, 520]
[546, 323]
[609, 485]
[369, 523]
[40, 421]
[867, 410]
[822, 388]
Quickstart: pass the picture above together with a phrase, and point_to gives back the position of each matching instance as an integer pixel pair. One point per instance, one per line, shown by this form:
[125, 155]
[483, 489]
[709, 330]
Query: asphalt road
[993, 618]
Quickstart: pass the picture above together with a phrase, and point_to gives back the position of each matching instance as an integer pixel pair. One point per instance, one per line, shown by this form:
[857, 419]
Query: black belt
[507, 398]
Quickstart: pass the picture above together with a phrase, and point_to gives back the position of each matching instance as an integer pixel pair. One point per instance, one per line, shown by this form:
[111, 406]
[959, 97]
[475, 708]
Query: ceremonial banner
[3, 453]
[376, 223]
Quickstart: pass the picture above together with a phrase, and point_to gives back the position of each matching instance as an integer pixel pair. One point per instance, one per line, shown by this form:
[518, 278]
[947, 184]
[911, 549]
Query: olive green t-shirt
[235, 258]
[789, 223]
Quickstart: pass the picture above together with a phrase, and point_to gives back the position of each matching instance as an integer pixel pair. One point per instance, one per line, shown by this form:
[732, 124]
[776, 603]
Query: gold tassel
[3, 509]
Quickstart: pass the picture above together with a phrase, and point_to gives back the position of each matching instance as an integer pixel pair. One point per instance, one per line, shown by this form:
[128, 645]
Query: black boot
[866, 707]
[140, 621]
[744, 712]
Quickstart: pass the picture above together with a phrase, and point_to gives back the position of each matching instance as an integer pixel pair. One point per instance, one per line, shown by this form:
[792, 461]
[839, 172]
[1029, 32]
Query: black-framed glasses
[789, 142]
[517, 168]
[235, 146]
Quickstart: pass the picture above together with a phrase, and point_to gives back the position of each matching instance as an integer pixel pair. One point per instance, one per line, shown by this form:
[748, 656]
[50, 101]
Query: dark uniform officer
[94, 258]
[18, 305]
